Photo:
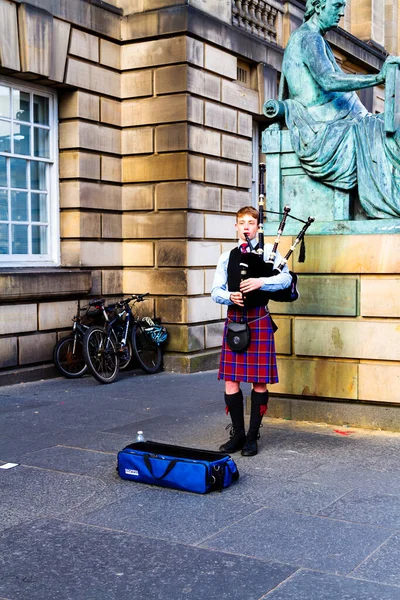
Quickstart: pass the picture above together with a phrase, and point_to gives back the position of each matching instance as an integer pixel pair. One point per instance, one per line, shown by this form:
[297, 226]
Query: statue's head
[310, 8]
[328, 12]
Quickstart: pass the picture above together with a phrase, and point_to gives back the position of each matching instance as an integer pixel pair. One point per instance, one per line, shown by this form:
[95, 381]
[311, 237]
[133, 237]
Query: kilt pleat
[258, 363]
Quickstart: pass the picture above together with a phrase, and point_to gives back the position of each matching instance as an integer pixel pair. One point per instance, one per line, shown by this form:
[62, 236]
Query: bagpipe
[252, 263]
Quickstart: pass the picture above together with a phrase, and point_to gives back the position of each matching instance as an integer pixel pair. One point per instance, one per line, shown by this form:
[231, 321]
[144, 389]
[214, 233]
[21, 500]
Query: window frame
[52, 258]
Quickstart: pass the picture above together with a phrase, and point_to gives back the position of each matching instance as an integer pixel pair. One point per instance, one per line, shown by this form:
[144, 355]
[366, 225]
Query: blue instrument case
[177, 467]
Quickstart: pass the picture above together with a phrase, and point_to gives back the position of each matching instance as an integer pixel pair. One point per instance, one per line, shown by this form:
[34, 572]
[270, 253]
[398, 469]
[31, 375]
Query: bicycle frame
[126, 311]
[130, 319]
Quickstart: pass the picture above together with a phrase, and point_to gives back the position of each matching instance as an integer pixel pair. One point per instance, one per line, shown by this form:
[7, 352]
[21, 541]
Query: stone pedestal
[287, 183]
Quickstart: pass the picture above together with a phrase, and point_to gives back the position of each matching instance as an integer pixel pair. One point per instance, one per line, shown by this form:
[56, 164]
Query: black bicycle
[123, 337]
[68, 352]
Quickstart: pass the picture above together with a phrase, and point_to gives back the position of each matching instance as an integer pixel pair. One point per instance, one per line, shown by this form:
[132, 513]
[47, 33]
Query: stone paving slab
[30, 493]
[170, 514]
[285, 495]
[349, 474]
[384, 564]
[301, 443]
[14, 447]
[284, 467]
[49, 559]
[8, 404]
[10, 518]
[34, 422]
[94, 440]
[71, 529]
[72, 460]
[301, 540]
[308, 585]
[360, 506]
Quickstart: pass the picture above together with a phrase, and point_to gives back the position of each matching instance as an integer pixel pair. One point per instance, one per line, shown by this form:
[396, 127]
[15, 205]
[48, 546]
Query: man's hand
[237, 298]
[249, 285]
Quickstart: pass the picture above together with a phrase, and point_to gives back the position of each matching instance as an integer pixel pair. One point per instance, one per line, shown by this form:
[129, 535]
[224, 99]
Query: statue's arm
[329, 78]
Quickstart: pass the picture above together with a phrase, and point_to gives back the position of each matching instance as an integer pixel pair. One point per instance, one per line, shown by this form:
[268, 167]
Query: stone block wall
[341, 339]
[155, 157]
[35, 308]
[186, 169]
[67, 48]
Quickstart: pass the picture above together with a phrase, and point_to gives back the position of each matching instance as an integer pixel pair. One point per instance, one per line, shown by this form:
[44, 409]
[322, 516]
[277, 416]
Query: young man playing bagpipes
[248, 349]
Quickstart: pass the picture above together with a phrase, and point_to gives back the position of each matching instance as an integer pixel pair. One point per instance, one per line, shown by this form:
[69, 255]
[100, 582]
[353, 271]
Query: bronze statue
[337, 141]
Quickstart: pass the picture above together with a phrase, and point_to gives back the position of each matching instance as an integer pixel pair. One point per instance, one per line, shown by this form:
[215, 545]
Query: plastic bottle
[140, 437]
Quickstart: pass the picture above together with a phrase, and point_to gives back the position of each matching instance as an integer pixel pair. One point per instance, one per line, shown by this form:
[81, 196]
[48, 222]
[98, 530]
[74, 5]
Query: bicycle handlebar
[99, 302]
[136, 297]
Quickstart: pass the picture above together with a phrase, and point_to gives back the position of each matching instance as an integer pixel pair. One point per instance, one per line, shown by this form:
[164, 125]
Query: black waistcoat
[255, 268]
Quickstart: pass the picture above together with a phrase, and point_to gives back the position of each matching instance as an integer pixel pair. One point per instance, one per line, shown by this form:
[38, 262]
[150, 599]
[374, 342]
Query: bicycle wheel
[68, 357]
[125, 355]
[100, 354]
[147, 352]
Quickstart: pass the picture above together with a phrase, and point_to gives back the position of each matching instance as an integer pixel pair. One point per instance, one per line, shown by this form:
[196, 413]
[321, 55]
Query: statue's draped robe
[343, 145]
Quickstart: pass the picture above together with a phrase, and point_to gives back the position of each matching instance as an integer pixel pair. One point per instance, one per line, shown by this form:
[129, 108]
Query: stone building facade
[131, 136]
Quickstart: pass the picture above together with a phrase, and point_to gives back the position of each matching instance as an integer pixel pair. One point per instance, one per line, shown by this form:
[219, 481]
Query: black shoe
[236, 441]
[250, 448]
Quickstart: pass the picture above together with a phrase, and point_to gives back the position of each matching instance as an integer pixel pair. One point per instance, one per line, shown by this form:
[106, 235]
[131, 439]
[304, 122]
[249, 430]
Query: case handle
[169, 468]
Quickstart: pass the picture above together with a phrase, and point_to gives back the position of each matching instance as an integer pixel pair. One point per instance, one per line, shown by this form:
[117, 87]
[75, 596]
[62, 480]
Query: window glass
[38, 207]
[3, 205]
[19, 206]
[18, 173]
[38, 175]
[5, 136]
[19, 239]
[40, 110]
[22, 139]
[39, 239]
[21, 106]
[3, 171]
[4, 101]
[41, 142]
[3, 238]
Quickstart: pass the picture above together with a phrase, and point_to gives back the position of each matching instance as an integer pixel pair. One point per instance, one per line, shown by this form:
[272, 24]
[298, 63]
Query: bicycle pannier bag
[177, 467]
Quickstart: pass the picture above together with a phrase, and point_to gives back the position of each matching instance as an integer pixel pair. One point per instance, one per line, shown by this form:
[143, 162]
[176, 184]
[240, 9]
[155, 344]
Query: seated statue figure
[337, 141]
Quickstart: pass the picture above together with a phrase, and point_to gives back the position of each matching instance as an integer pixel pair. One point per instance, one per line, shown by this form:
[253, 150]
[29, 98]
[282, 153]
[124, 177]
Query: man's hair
[247, 210]
[311, 5]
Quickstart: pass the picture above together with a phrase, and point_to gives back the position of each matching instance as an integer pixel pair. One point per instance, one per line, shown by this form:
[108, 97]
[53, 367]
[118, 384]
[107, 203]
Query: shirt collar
[253, 243]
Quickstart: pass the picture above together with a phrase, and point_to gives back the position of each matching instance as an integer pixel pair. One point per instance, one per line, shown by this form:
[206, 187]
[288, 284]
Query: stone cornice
[359, 51]
[33, 283]
[186, 19]
[94, 15]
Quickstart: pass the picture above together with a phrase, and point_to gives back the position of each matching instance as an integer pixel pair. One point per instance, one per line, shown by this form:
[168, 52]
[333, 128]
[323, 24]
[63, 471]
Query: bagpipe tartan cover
[258, 363]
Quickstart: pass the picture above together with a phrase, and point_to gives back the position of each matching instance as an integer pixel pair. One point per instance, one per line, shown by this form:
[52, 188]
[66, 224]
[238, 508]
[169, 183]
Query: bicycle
[68, 352]
[124, 344]
[105, 347]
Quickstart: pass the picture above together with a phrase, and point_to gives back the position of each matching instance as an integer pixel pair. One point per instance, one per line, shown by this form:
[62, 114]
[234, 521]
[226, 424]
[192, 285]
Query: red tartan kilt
[258, 363]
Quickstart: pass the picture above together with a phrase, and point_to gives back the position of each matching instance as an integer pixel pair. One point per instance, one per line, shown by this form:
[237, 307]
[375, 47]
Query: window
[28, 176]
[243, 73]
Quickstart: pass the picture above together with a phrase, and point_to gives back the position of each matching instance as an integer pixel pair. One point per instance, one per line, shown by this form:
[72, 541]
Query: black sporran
[238, 336]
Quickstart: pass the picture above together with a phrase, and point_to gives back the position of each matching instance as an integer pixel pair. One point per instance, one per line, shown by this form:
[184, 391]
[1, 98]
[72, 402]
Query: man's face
[330, 13]
[246, 224]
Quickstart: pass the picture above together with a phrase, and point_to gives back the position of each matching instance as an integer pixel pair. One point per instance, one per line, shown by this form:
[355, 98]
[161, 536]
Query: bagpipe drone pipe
[252, 263]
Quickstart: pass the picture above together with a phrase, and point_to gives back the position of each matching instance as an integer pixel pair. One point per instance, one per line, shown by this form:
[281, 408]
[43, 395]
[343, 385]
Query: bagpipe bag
[177, 467]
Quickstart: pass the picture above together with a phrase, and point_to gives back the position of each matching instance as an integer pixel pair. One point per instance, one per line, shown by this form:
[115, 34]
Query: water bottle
[140, 437]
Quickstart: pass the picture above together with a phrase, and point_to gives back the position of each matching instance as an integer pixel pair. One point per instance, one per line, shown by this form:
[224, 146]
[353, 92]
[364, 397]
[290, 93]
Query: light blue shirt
[219, 290]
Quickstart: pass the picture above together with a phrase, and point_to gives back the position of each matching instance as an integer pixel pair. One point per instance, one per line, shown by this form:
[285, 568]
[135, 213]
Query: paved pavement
[314, 516]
